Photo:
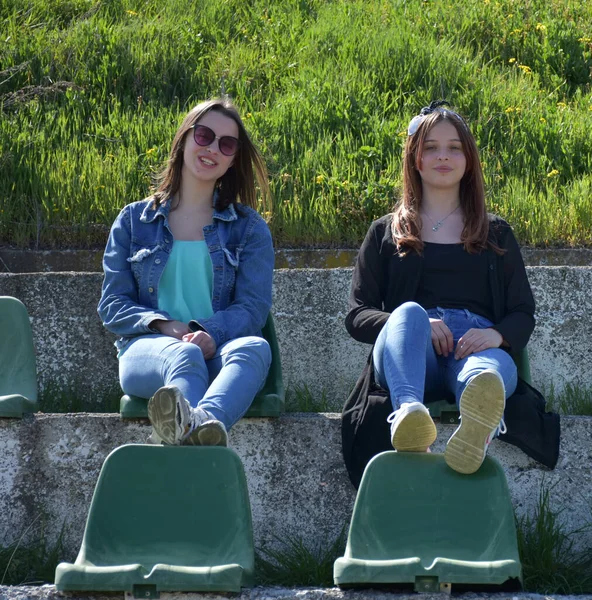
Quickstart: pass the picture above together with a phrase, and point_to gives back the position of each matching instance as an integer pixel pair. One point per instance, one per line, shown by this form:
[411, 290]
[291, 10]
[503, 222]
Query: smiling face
[443, 162]
[207, 163]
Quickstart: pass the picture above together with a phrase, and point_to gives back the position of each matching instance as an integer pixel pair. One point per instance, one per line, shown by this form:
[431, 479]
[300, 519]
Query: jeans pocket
[480, 322]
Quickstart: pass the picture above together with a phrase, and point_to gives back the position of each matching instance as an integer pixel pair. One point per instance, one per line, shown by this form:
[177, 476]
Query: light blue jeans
[406, 363]
[224, 385]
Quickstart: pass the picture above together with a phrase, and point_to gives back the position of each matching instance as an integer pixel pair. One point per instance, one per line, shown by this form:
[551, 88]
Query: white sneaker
[481, 407]
[412, 428]
[172, 417]
[210, 432]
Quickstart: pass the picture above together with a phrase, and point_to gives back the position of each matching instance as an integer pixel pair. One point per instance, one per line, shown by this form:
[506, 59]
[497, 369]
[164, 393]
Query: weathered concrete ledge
[48, 592]
[75, 354]
[34, 261]
[297, 480]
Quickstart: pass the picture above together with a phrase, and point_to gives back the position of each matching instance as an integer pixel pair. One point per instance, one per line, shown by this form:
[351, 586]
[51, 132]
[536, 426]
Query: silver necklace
[438, 224]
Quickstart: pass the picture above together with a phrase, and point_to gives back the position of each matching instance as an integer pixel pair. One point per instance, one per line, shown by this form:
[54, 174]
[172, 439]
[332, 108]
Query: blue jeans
[224, 385]
[406, 363]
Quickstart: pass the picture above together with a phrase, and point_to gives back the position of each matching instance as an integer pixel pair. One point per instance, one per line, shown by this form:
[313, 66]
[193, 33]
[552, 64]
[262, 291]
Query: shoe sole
[162, 410]
[415, 433]
[481, 409]
[210, 433]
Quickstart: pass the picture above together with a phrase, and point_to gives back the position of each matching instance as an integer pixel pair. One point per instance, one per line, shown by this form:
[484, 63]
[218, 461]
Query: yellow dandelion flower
[553, 173]
[585, 40]
[320, 178]
[512, 61]
[541, 27]
[525, 69]
[543, 120]
[402, 133]
[561, 105]
[248, 116]
[510, 109]
[150, 151]
[132, 13]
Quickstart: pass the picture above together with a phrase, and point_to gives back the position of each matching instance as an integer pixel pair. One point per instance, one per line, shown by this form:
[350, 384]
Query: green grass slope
[91, 93]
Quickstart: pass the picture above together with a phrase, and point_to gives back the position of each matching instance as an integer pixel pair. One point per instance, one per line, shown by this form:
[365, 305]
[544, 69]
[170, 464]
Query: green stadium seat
[418, 522]
[447, 411]
[18, 370]
[269, 402]
[166, 518]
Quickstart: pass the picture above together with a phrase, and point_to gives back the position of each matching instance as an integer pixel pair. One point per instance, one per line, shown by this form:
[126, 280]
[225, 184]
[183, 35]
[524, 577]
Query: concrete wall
[297, 481]
[75, 353]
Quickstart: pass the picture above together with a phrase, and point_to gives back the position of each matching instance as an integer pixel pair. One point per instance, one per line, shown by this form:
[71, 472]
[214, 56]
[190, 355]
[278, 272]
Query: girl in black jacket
[441, 291]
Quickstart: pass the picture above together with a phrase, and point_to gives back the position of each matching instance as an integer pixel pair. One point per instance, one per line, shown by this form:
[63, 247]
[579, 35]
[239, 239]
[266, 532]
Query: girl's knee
[186, 353]
[409, 315]
[262, 349]
[411, 310]
[255, 348]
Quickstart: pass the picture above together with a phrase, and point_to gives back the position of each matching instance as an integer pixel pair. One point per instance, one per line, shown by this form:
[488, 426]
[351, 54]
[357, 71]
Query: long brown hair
[406, 224]
[238, 183]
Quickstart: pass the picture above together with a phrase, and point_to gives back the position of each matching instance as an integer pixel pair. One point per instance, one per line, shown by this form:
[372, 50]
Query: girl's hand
[175, 329]
[475, 340]
[204, 340]
[441, 337]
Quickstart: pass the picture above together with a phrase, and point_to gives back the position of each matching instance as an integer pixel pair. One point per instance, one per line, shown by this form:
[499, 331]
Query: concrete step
[75, 354]
[297, 481]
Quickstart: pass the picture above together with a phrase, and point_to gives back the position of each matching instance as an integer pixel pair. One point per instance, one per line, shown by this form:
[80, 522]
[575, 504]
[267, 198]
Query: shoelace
[501, 429]
[391, 417]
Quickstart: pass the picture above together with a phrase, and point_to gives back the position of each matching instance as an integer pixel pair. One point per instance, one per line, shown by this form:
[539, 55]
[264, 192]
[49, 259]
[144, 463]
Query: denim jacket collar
[150, 213]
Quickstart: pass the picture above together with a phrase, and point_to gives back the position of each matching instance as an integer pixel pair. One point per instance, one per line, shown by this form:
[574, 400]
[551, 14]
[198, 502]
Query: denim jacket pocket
[138, 258]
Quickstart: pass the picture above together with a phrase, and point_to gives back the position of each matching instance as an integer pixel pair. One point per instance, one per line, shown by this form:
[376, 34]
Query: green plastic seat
[18, 368]
[416, 521]
[447, 411]
[166, 518]
[269, 402]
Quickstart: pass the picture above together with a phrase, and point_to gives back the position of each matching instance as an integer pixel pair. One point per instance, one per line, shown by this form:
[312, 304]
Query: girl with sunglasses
[187, 287]
[440, 290]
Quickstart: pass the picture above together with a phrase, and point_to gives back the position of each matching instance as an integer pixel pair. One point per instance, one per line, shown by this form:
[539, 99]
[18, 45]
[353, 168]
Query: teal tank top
[185, 287]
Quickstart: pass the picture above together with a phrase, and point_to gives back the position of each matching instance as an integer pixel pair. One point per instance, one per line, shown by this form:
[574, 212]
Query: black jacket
[381, 282]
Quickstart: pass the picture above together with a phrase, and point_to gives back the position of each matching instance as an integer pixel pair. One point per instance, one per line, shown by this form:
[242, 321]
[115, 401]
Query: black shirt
[383, 280]
[453, 278]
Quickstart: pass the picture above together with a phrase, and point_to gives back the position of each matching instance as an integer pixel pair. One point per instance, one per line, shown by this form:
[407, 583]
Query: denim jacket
[137, 252]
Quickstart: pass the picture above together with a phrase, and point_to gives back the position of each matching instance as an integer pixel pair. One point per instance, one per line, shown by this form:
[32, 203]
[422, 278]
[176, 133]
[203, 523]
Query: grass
[33, 562]
[91, 93]
[574, 399]
[550, 563]
[297, 565]
[53, 398]
[301, 399]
